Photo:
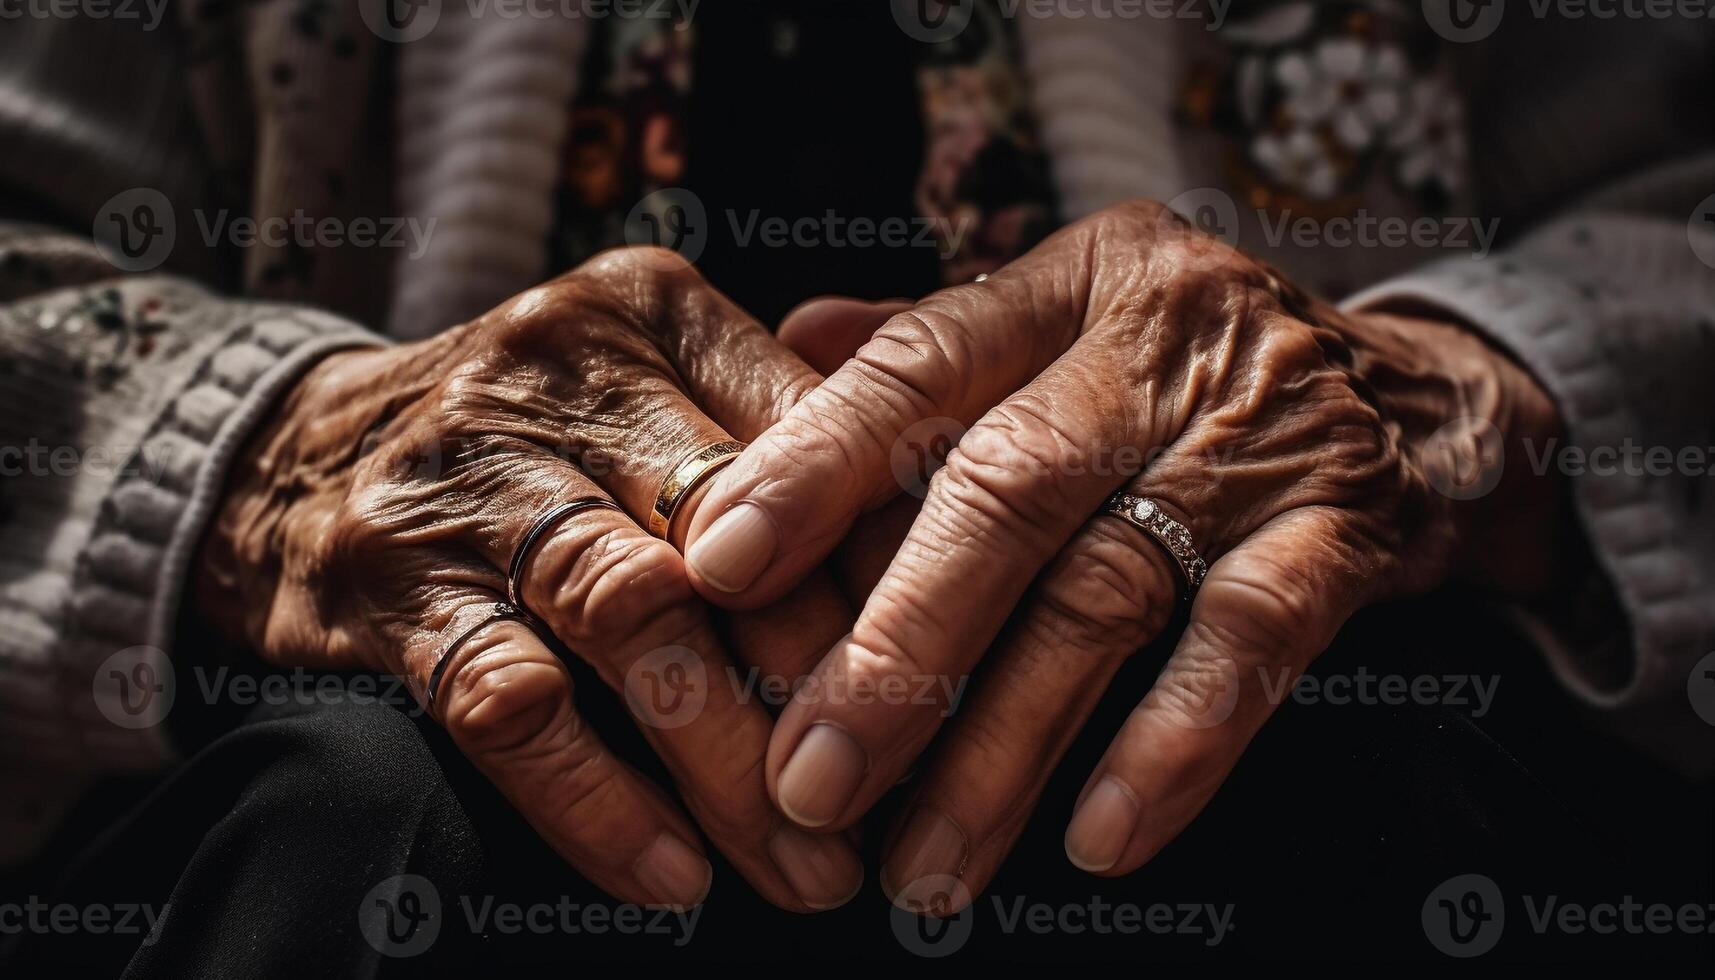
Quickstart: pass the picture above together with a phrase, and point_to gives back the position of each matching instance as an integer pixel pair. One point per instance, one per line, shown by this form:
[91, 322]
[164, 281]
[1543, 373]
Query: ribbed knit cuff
[1545, 323]
[131, 576]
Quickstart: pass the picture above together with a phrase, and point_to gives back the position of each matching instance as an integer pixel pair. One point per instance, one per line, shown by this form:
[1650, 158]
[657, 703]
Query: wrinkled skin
[375, 515]
[1303, 447]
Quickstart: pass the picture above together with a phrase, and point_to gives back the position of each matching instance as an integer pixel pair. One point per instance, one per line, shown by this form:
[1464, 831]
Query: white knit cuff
[1548, 325]
[131, 576]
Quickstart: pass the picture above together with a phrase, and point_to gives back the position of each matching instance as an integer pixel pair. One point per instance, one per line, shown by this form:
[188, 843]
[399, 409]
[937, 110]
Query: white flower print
[1352, 86]
[1430, 140]
[1298, 160]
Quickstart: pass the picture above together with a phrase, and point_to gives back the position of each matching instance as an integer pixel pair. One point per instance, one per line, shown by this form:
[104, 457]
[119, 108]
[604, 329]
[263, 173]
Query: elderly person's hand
[375, 519]
[1304, 450]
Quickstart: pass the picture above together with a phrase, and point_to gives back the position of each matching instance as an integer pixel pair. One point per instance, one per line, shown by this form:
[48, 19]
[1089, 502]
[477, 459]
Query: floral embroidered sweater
[1549, 183]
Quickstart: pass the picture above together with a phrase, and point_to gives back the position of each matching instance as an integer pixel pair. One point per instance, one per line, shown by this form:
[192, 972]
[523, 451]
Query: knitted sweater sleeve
[1612, 307]
[122, 400]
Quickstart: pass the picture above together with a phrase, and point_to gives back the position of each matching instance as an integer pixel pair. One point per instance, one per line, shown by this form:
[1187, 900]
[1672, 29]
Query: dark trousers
[277, 849]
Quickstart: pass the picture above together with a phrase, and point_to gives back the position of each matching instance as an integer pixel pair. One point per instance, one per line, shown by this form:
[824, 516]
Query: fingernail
[930, 847]
[675, 874]
[735, 549]
[821, 776]
[1102, 826]
[822, 870]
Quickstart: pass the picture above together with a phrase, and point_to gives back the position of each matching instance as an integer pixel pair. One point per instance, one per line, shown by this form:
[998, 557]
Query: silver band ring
[498, 612]
[1174, 538]
[515, 574]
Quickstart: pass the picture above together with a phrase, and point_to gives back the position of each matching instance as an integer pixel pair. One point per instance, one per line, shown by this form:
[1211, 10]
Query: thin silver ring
[515, 574]
[1147, 515]
[498, 612]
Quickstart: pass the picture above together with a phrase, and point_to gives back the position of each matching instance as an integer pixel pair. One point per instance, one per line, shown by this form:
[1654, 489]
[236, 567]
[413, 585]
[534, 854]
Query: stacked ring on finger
[1147, 515]
[691, 473]
[542, 525]
[513, 609]
[497, 612]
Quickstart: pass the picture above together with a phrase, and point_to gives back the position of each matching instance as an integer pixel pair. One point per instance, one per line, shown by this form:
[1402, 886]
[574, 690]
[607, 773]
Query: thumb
[883, 421]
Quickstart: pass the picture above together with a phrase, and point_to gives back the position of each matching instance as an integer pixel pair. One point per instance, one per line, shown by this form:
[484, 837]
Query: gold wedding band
[686, 477]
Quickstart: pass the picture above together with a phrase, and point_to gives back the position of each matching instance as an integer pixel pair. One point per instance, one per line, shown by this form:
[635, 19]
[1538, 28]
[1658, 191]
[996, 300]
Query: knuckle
[1263, 607]
[1006, 472]
[831, 429]
[364, 532]
[1199, 688]
[505, 704]
[650, 263]
[616, 588]
[922, 357]
[1110, 593]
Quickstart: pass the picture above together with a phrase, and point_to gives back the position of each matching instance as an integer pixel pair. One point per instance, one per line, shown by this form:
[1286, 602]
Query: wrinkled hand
[1305, 449]
[374, 518]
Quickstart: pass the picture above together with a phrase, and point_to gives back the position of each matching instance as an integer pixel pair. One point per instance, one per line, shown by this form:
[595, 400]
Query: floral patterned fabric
[986, 173]
[1323, 98]
[984, 185]
[627, 133]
